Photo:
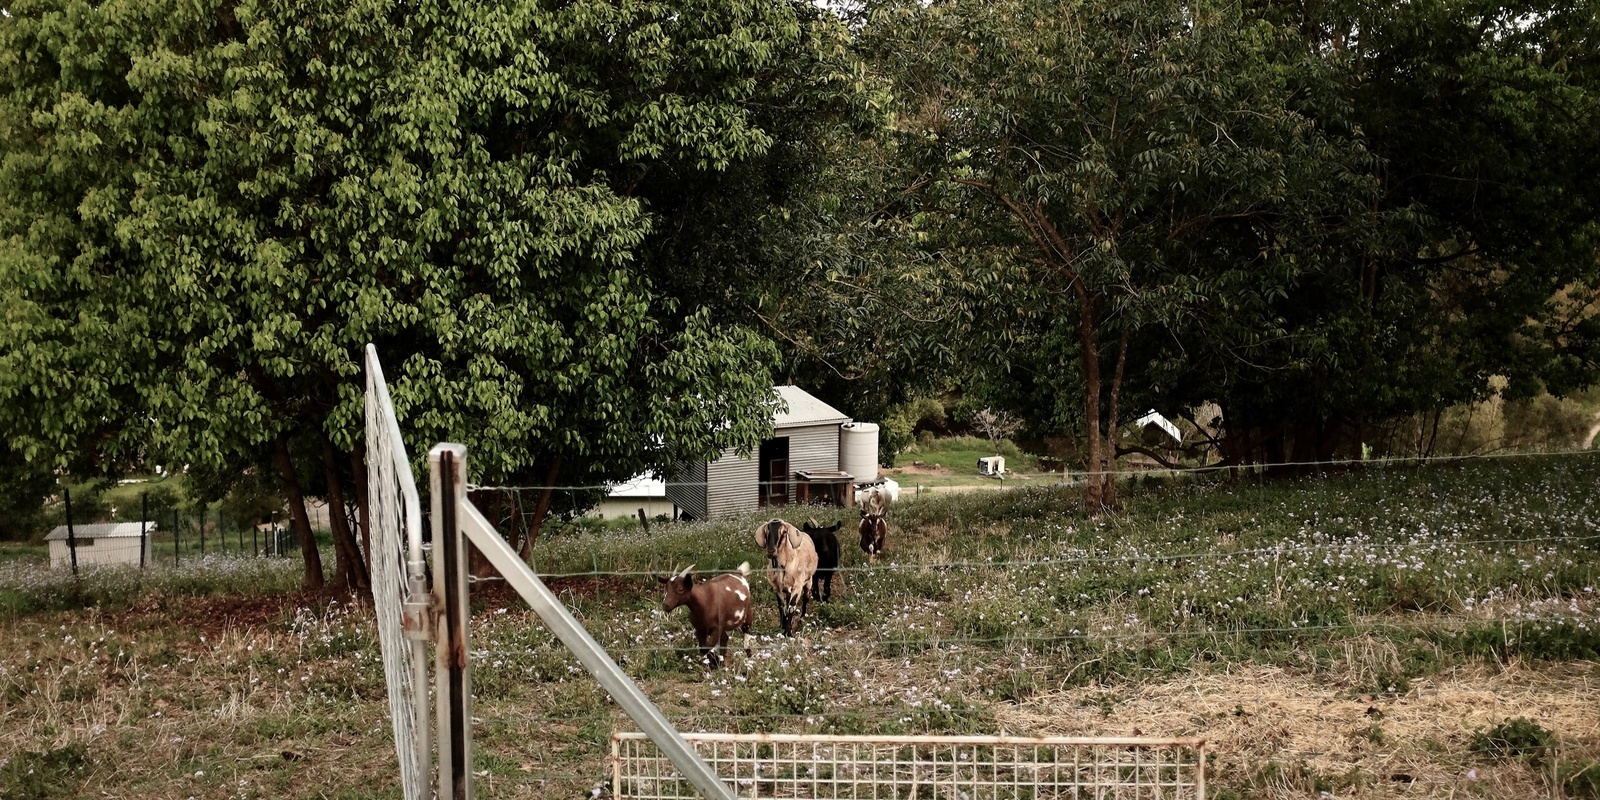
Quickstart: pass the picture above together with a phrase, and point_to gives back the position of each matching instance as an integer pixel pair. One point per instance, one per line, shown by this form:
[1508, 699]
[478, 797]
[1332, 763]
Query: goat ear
[761, 536]
[659, 577]
[688, 581]
[794, 542]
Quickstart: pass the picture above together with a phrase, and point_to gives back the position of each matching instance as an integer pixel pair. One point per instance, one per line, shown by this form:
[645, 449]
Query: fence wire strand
[1382, 461]
[936, 640]
[1201, 555]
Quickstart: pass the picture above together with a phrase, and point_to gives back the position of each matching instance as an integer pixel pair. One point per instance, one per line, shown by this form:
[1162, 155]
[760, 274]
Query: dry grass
[1323, 734]
[982, 618]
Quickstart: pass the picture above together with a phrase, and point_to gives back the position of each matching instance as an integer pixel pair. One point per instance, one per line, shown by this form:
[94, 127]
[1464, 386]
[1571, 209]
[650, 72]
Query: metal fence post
[174, 537]
[144, 523]
[588, 652]
[452, 669]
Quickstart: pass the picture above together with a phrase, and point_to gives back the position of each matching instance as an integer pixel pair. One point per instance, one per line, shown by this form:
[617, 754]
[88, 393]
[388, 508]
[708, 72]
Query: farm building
[815, 450]
[641, 491]
[101, 543]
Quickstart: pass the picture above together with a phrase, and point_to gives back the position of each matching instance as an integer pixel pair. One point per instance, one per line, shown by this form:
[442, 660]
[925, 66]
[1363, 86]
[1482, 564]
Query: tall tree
[252, 191]
[1480, 114]
[1104, 169]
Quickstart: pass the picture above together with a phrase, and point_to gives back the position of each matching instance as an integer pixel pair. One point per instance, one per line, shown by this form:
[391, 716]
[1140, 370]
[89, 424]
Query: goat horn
[686, 570]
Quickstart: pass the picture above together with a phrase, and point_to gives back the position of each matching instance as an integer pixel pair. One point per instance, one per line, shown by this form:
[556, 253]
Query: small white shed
[101, 543]
[805, 438]
[641, 491]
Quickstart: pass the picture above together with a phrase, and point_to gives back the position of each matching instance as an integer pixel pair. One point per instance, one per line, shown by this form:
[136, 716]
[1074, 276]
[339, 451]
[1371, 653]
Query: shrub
[41, 776]
[1514, 738]
[1581, 779]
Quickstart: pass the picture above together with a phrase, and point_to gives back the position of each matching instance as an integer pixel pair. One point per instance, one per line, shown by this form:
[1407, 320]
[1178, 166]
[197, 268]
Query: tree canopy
[207, 210]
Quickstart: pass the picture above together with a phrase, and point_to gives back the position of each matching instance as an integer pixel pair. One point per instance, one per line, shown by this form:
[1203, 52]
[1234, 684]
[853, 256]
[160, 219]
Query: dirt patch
[1415, 744]
[498, 594]
[211, 615]
[915, 469]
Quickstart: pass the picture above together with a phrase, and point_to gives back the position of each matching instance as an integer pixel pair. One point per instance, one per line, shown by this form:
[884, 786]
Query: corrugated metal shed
[731, 484]
[804, 409]
[100, 530]
[688, 488]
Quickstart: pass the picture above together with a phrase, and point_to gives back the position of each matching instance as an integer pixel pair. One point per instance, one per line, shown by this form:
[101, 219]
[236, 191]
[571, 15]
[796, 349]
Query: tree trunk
[1089, 361]
[297, 512]
[358, 468]
[491, 504]
[349, 567]
[1109, 496]
[542, 509]
[517, 530]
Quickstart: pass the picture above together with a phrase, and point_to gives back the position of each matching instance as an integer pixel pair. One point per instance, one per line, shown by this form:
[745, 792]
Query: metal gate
[933, 767]
[412, 614]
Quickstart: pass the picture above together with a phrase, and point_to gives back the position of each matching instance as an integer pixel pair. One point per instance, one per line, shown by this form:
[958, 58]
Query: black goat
[826, 540]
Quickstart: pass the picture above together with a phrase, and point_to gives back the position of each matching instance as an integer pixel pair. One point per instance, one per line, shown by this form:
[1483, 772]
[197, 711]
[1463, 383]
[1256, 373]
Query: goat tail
[744, 569]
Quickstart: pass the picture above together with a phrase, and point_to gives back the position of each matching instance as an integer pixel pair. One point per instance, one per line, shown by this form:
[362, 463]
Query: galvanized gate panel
[932, 767]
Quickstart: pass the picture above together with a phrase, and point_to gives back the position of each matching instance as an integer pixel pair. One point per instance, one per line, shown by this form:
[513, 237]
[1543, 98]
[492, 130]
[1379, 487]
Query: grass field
[1392, 633]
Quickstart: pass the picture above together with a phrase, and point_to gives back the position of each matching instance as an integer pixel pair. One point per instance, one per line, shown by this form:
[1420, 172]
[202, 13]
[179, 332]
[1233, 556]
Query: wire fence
[1130, 558]
[1259, 467]
[900, 646]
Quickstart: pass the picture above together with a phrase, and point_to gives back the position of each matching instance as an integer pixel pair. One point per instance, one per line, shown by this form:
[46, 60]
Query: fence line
[936, 640]
[1344, 462]
[1288, 549]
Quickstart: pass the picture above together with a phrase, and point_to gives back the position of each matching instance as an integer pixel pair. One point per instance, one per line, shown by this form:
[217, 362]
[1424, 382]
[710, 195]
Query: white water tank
[858, 450]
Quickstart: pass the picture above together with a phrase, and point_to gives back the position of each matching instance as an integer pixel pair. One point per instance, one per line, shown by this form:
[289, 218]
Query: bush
[1514, 738]
[1581, 779]
[40, 776]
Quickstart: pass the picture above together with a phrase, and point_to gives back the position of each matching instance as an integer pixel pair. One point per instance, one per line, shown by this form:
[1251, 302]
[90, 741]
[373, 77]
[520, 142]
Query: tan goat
[791, 564]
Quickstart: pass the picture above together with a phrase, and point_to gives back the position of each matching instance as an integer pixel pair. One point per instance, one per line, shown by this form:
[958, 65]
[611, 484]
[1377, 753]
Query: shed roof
[804, 409]
[99, 530]
[1161, 422]
[641, 485]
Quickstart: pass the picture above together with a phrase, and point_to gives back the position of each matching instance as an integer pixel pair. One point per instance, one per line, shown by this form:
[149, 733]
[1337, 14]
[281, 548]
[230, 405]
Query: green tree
[206, 211]
[1098, 171]
[1481, 117]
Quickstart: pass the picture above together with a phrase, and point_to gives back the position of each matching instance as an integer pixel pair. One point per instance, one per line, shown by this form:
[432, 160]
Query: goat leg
[708, 649]
[783, 615]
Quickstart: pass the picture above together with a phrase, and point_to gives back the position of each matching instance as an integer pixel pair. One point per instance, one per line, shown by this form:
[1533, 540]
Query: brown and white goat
[791, 565]
[874, 535]
[716, 606]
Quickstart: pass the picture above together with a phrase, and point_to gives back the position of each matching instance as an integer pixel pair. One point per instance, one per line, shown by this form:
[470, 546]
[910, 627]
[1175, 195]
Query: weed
[1515, 738]
[1580, 779]
[45, 775]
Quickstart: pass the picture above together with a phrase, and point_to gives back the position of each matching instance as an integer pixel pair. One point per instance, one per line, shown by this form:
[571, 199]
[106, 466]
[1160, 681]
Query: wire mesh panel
[918, 767]
[395, 510]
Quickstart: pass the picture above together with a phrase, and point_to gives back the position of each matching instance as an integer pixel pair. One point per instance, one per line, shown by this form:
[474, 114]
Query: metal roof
[1161, 422]
[641, 485]
[99, 530]
[804, 409]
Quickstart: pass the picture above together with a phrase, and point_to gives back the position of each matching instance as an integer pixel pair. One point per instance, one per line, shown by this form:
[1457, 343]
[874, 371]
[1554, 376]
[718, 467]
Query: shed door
[773, 474]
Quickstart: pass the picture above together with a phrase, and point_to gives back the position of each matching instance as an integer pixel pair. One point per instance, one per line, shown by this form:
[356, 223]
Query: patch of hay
[1318, 735]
